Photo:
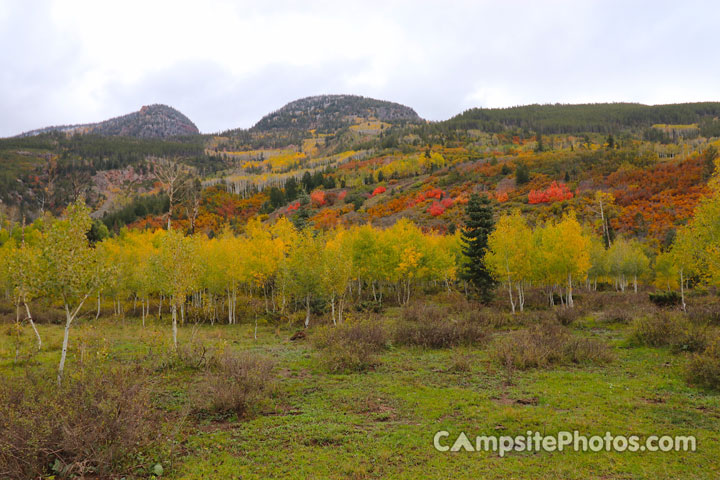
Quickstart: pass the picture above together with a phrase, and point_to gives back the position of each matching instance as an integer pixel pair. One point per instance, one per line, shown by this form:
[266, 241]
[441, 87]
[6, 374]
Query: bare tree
[193, 197]
[174, 177]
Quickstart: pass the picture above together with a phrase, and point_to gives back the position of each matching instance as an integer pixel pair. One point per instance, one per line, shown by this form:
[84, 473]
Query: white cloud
[226, 63]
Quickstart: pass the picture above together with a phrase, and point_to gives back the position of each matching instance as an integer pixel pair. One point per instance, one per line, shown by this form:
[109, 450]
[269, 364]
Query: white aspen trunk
[512, 302]
[273, 301]
[142, 302]
[229, 308]
[521, 296]
[635, 283]
[32, 324]
[255, 334]
[332, 303]
[570, 302]
[682, 290]
[174, 324]
[307, 310]
[341, 304]
[66, 336]
[267, 307]
[97, 314]
[69, 317]
[282, 305]
[182, 313]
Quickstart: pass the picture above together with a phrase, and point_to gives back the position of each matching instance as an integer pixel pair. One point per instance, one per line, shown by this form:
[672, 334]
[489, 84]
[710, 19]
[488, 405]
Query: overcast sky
[227, 63]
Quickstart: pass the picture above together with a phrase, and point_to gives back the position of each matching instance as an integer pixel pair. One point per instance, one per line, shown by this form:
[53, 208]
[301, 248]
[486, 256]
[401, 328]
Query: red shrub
[378, 191]
[318, 198]
[554, 193]
[436, 209]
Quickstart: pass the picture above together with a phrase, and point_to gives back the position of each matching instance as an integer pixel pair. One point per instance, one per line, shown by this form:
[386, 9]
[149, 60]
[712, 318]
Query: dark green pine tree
[478, 226]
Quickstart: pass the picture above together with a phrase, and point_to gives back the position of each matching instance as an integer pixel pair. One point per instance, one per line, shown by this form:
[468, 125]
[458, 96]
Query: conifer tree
[478, 227]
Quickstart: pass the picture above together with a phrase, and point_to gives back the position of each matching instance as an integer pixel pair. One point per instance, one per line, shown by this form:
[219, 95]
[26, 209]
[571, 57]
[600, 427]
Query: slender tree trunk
[521, 296]
[307, 310]
[635, 283]
[341, 305]
[332, 303]
[97, 314]
[682, 290]
[69, 317]
[32, 324]
[570, 302]
[174, 324]
[267, 307]
[512, 303]
[229, 303]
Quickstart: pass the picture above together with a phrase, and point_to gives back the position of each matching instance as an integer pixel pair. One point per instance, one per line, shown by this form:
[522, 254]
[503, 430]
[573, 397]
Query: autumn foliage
[378, 191]
[556, 192]
[318, 198]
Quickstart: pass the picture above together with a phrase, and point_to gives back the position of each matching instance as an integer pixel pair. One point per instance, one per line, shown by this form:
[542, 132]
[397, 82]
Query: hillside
[596, 117]
[371, 166]
[326, 113]
[151, 121]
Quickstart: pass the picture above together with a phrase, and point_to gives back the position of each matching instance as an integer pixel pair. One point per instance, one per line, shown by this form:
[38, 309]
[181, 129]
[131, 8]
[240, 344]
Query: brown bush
[704, 312]
[235, 383]
[566, 316]
[433, 332]
[673, 330]
[547, 344]
[615, 314]
[92, 424]
[704, 369]
[350, 346]
[421, 312]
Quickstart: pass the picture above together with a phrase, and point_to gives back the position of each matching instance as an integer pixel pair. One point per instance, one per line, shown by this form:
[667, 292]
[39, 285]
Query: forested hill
[326, 113]
[594, 117]
[151, 121]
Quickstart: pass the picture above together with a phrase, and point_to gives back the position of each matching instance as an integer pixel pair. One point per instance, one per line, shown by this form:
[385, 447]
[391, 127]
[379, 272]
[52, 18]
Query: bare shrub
[566, 316]
[673, 330]
[615, 314]
[703, 369]
[235, 383]
[548, 344]
[707, 311]
[421, 312]
[439, 332]
[350, 346]
[92, 424]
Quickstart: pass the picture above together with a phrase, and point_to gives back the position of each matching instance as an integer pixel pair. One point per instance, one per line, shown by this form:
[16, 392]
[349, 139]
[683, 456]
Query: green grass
[380, 424]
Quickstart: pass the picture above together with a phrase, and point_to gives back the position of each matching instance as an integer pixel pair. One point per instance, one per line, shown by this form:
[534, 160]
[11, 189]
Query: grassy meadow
[330, 407]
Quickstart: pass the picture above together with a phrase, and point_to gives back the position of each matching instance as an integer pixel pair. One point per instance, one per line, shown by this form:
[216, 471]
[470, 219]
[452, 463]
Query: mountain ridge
[329, 112]
[151, 121]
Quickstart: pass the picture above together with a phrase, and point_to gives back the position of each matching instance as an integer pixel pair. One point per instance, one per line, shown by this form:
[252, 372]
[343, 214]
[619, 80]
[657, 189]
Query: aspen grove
[275, 269]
